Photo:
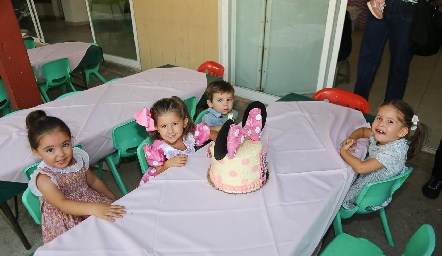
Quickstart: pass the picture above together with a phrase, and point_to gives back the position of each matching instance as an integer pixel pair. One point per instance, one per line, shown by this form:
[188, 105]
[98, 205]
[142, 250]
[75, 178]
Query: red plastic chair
[213, 68]
[343, 98]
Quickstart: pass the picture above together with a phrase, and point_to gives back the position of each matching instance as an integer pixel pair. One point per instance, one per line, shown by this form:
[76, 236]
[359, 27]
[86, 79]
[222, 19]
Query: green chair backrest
[127, 137]
[191, 106]
[32, 204]
[56, 72]
[66, 94]
[376, 193]
[30, 201]
[422, 242]
[199, 118]
[140, 154]
[29, 42]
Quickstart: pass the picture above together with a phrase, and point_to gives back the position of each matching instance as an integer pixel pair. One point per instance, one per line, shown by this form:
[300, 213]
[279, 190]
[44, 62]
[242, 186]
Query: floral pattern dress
[160, 152]
[392, 156]
[72, 183]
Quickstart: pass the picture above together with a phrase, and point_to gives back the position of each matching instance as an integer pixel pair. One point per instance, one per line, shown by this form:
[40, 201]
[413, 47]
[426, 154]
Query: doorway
[283, 46]
[109, 23]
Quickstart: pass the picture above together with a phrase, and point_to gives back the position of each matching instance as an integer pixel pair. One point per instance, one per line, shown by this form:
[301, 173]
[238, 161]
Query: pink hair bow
[144, 118]
[251, 130]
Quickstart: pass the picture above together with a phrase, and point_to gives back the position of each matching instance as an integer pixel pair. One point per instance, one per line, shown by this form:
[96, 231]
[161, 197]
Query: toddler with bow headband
[391, 145]
[174, 133]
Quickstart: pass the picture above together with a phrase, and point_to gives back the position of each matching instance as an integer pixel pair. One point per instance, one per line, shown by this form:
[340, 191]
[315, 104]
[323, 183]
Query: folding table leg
[11, 219]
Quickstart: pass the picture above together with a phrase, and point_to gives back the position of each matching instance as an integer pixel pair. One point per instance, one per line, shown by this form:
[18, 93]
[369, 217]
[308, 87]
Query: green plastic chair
[5, 104]
[56, 73]
[191, 106]
[140, 154]
[373, 194]
[66, 94]
[32, 204]
[91, 70]
[199, 118]
[422, 243]
[127, 137]
[29, 42]
[42, 87]
[30, 201]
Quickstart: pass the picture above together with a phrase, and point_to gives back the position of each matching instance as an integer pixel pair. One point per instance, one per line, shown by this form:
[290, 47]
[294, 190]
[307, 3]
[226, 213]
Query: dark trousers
[394, 27]
[437, 168]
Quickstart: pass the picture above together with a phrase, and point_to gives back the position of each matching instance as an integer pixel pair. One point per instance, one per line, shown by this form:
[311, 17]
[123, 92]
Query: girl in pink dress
[174, 133]
[69, 192]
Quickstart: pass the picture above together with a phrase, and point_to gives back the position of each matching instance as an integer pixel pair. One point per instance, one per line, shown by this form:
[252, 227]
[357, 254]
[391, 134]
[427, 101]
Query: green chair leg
[100, 169]
[114, 171]
[386, 228]
[337, 224]
[72, 87]
[100, 77]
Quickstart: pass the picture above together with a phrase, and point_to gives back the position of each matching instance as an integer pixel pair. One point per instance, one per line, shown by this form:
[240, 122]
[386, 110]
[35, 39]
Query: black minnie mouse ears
[220, 148]
[252, 105]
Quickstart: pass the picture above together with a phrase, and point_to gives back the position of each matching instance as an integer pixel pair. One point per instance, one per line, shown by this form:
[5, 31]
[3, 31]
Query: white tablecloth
[92, 114]
[74, 51]
[179, 213]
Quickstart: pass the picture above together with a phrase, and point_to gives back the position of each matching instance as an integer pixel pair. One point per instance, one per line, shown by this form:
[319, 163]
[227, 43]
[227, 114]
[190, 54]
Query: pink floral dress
[72, 182]
[160, 152]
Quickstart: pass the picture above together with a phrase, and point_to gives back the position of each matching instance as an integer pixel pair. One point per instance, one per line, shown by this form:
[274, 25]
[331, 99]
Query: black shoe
[432, 188]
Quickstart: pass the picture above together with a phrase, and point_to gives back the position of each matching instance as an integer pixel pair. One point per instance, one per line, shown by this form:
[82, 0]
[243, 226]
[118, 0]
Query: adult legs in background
[432, 188]
[395, 27]
[400, 57]
[370, 54]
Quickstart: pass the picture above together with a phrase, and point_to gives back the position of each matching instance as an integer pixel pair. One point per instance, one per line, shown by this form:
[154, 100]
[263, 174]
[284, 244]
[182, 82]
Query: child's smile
[171, 128]
[55, 149]
[387, 126]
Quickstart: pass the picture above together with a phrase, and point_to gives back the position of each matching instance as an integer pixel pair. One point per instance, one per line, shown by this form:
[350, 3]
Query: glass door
[113, 29]
[282, 46]
[27, 19]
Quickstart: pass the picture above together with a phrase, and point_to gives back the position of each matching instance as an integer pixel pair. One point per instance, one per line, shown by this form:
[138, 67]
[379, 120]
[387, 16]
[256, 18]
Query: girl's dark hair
[39, 124]
[419, 137]
[219, 86]
[166, 105]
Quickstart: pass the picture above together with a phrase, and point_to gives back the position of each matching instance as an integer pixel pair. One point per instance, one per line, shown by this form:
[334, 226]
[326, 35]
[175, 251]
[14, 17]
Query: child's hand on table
[107, 211]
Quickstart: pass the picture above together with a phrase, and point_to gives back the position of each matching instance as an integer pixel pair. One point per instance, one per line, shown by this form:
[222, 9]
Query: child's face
[221, 102]
[387, 127]
[55, 149]
[171, 127]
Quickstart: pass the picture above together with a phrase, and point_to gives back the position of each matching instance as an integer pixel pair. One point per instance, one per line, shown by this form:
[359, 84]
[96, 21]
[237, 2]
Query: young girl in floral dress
[174, 133]
[390, 146]
[69, 192]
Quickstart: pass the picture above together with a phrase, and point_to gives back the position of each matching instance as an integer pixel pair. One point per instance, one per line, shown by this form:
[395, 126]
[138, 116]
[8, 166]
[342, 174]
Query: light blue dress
[392, 156]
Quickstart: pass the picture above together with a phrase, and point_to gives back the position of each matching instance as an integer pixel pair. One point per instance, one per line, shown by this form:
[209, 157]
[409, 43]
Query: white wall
[75, 12]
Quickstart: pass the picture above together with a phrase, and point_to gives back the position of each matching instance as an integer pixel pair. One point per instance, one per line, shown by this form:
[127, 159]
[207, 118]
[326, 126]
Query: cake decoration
[239, 161]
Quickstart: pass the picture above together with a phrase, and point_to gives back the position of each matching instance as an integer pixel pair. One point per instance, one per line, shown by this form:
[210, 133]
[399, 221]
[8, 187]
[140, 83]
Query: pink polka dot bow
[143, 117]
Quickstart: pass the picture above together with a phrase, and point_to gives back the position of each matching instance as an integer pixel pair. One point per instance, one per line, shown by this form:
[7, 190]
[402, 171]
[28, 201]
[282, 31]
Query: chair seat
[347, 245]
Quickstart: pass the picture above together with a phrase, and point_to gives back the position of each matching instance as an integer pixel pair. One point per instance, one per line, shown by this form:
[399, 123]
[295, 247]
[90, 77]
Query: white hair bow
[415, 119]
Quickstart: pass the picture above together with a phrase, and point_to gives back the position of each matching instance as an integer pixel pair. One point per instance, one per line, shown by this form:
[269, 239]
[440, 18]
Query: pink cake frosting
[244, 173]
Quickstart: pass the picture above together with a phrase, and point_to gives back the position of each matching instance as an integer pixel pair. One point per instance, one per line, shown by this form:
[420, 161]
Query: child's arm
[215, 128]
[98, 185]
[57, 199]
[176, 161]
[213, 135]
[358, 165]
[356, 135]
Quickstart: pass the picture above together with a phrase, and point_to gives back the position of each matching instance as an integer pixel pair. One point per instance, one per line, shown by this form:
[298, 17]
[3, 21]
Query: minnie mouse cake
[239, 163]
